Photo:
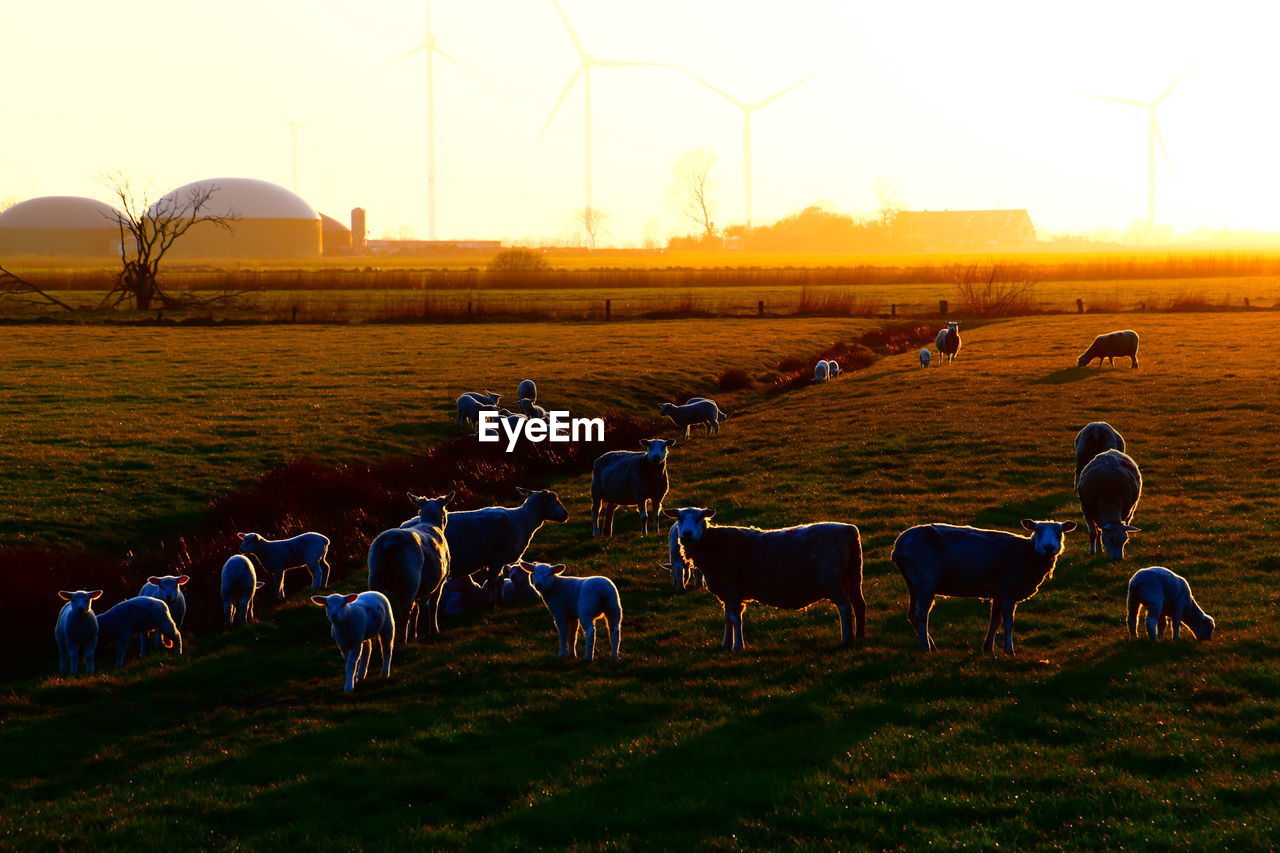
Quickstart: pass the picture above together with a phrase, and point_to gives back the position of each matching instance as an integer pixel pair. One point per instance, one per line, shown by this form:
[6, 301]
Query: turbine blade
[618, 63]
[563, 94]
[1125, 101]
[758, 104]
[390, 62]
[474, 74]
[1163, 151]
[721, 92]
[1173, 85]
[564, 19]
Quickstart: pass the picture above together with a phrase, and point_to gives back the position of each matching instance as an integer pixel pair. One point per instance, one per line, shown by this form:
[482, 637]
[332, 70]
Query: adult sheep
[969, 562]
[697, 411]
[821, 372]
[948, 342]
[1095, 438]
[1109, 487]
[407, 564]
[309, 550]
[792, 567]
[630, 478]
[1111, 346]
[470, 406]
[527, 390]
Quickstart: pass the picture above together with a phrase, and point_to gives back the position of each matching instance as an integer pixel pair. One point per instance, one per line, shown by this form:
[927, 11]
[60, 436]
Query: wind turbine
[747, 109]
[1153, 137]
[586, 62]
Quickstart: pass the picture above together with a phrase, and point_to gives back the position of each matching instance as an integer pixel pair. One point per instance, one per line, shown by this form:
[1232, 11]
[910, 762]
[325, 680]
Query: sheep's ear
[672, 443]
[183, 579]
[411, 496]
[153, 580]
[315, 599]
[261, 584]
[666, 566]
[558, 568]
[523, 491]
[95, 594]
[644, 442]
[64, 595]
[670, 513]
[1028, 524]
[242, 535]
[1068, 526]
[350, 597]
[447, 499]
[527, 568]
[708, 513]
[1132, 529]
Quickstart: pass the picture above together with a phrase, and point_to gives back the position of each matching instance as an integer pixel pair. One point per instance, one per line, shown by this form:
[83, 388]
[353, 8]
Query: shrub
[734, 379]
[519, 260]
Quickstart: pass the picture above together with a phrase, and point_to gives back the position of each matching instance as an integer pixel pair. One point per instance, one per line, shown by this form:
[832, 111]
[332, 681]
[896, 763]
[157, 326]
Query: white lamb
[77, 630]
[1168, 600]
[821, 372]
[169, 590]
[239, 583]
[575, 602]
[359, 620]
[925, 357]
[280, 555]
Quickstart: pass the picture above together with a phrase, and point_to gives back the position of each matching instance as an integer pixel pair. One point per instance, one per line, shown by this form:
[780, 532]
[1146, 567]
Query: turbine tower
[747, 109]
[586, 62]
[1153, 138]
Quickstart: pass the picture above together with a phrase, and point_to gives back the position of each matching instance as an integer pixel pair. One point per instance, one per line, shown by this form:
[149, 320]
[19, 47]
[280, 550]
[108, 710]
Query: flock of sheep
[448, 563]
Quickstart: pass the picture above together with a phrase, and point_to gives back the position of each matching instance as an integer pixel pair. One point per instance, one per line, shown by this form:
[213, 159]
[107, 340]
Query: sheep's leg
[353, 659]
[70, 661]
[63, 658]
[122, 647]
[589, 631]
[562, 629]
[1134, 605]
[609, 510]
[924, 603]
[990, 641]
[1152, 621]
[859, 614]
[595, 515]
[1007, 613]
[911, 606]
[655, 512]
[614, 621]
[226, 614]
[280, 585]
[1176, 622]
[1163, 626]
[727, 643]
[739, 641]
[144, 643]
[387, 648]
[91, 657]
[1133, 361]
[845, 609]
[433, 614]
[362, 661]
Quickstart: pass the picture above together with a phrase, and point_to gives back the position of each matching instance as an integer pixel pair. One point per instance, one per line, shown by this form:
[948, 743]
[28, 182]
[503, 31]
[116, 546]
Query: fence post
[1079, 306]
[608, 310]
[295, 314]
[942, 307]
[760, 308]
[468, 308]
[1246, 303]
[893, 310]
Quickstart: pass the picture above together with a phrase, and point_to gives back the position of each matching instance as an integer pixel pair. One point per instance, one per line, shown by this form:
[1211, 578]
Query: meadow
[1085, 740]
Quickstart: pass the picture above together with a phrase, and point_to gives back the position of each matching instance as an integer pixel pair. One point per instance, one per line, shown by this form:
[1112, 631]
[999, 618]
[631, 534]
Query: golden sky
[960, 105]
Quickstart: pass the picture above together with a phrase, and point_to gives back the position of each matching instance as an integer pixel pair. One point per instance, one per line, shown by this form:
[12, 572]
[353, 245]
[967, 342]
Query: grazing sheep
[1168, 600]
[460, 596]
[486, 540]
[821, 372]
[575, 602]
[532, 409]
[169, 590]
[359, 620]
[1094, 439]
[140, 616]
[1112, 346]
[239, 584]
[682, 574]
[471, 405]
[527, 390]
[1109, 487]
[630, 478]
[411, 563]
[76, 631]
[948, 342]
[488, 397]
[968, 562]
[833, 368]
[517, 587]
[280, 555]
[792, 567]
[699, 410]
[925, 357]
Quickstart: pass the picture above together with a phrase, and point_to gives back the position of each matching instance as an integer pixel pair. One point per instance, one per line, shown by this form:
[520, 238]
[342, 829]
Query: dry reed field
[1085, 740]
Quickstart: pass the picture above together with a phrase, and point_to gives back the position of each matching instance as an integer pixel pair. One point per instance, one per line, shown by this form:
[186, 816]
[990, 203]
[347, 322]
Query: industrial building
[270, 221]
[65, 226]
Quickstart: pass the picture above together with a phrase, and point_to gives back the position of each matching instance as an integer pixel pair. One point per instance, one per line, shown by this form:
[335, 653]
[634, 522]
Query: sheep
[792, 567]
[527, 390]
[486, 540]
[471, 405]
[169, 590]
[1094, 439]
[833, 368]
[280, 555]
[460, 596]
[239, 584]
[411, 563]
[575, 602]
[1109, 487]
[517, 587]
[140, 616]
[1111, 346]
[357, 621]
[968, 562]
[925, 357]
[630, 478]
[682, 574]
[532, 410]
[948, 342]
[76, 631]
[487, 398]
[1168, 600]
[699, 410]
[821, 372]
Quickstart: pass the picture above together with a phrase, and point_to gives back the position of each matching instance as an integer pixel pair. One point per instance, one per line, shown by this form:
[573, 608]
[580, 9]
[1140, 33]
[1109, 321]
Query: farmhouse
[951, 230]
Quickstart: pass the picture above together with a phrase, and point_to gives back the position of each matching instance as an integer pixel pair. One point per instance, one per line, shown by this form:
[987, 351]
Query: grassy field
[1085, 740]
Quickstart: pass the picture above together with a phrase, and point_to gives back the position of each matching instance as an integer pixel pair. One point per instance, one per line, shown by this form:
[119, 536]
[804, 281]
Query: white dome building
[60, 225]
[271, 222]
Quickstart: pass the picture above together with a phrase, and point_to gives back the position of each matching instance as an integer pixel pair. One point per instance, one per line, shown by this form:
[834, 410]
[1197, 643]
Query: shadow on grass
[1065, 375]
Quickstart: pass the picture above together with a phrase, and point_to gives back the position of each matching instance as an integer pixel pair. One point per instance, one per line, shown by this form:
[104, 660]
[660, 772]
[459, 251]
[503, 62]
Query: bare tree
[594, 223]
[7, 201]
[148, 230]
[1000, 290]
[888, 201]
[16, 288]
[692, 190]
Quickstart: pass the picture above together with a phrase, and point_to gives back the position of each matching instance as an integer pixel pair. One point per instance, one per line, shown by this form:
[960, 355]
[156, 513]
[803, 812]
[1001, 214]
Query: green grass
[1085, 740]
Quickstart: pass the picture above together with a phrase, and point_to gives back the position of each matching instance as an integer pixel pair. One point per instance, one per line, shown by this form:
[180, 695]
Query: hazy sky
[974, 104]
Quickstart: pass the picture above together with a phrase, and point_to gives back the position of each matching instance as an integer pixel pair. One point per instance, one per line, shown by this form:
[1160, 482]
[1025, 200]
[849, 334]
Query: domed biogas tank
[269, 220]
